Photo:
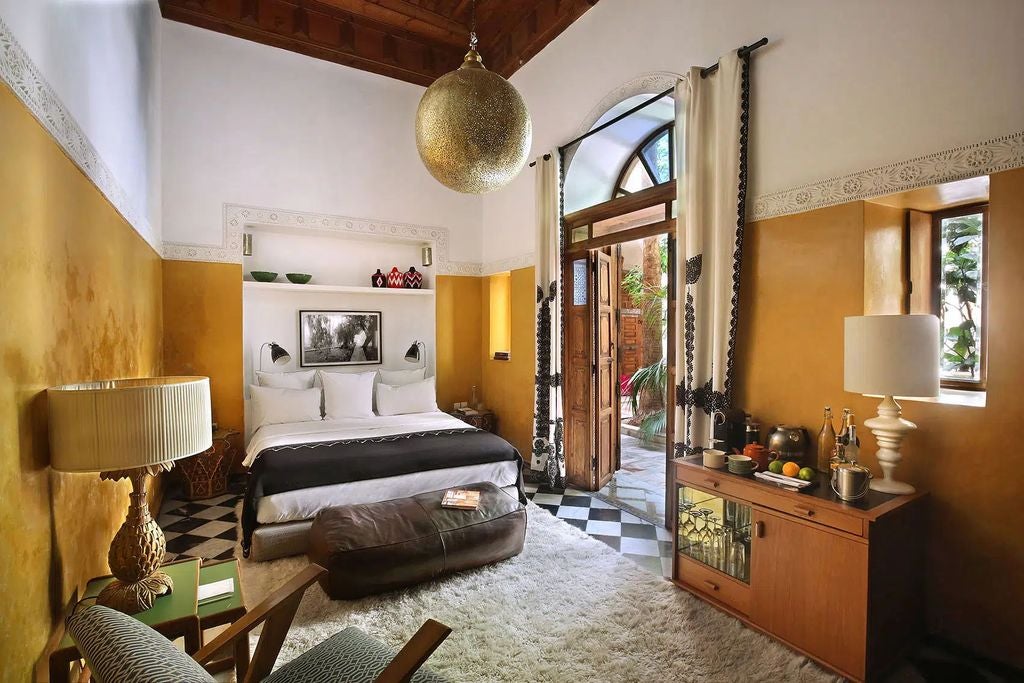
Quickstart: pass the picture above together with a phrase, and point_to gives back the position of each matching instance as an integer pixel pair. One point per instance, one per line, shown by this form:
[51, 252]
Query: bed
[297, 469]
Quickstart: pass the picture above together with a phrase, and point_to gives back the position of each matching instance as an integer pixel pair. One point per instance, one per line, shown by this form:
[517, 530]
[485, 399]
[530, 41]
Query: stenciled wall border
[236, 217]
[982, 158]
[25, 79]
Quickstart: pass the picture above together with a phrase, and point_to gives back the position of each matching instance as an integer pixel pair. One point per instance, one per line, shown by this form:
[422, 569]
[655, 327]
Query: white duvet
[305, 503]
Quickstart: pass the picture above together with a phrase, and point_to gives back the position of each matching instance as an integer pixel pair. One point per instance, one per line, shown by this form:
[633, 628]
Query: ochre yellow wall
[884, 279]
[203, 333]
[508, 386]
[80, 301]
[802, 275]
[458, 337]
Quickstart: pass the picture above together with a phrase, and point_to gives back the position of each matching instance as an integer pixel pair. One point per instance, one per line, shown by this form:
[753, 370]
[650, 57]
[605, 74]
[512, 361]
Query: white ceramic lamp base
[889, 430]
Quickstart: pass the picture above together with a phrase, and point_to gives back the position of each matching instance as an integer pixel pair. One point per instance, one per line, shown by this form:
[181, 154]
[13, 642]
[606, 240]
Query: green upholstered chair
[120, 649]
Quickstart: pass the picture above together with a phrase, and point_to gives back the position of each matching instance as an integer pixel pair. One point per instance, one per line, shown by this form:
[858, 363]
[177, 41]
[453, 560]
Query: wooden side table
[174, 615]
[486, 420]
[227, 610]
[205, 475]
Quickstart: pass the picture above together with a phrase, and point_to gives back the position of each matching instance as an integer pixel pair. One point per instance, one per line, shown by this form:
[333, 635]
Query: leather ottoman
[377, 547]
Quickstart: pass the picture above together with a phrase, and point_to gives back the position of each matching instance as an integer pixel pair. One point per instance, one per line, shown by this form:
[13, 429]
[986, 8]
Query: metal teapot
[790, 442]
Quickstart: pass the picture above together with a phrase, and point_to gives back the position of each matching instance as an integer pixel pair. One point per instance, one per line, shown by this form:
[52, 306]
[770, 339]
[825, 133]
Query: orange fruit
[791, 469]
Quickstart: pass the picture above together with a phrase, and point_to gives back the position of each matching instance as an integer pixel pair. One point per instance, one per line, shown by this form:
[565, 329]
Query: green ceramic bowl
[263, 275]
[299, 278]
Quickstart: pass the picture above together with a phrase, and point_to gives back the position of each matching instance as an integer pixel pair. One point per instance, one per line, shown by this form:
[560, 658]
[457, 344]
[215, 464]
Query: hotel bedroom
[330, 355]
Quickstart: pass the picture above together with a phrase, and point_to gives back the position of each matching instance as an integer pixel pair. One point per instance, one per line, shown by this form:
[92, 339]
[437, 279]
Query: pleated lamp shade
[127, 423]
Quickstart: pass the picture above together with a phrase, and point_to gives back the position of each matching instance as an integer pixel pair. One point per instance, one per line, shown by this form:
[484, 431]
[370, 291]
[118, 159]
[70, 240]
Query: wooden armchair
[349, 655]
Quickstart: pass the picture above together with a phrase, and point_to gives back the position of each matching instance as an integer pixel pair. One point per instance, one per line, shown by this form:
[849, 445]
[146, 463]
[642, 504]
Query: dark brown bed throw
[303, 466]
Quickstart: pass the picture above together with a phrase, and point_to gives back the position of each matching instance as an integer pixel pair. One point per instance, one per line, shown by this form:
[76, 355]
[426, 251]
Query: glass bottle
[826, 442]
[838, 457]
[852, 450]
[474, 399]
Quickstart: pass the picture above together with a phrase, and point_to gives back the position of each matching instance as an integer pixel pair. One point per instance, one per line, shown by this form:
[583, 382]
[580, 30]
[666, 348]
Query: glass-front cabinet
[714, 531]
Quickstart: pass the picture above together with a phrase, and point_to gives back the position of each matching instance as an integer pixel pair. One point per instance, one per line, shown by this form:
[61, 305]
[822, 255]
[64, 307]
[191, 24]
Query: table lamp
[130, 428]
[891, 355]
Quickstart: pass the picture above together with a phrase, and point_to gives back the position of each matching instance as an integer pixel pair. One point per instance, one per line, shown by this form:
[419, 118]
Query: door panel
[607, 407]
[809, 587]
[578, 397]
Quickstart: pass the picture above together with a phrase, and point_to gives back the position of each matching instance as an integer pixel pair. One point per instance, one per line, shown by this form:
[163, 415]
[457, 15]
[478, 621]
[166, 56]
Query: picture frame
[340, 338]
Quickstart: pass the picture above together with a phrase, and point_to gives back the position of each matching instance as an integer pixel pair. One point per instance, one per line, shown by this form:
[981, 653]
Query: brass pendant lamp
[473, 131]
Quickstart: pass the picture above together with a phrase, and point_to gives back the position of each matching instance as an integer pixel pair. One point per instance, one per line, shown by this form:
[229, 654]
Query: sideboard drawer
[816, 513]
[713, 584]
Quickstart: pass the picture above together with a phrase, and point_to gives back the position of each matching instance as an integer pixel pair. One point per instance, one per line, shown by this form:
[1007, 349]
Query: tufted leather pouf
[377, 547]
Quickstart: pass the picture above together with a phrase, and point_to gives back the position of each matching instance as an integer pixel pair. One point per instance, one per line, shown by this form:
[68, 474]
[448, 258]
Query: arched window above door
[650, 164]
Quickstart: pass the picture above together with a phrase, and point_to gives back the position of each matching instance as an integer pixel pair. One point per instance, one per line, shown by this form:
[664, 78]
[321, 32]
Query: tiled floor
[206, 529]
[639, 485]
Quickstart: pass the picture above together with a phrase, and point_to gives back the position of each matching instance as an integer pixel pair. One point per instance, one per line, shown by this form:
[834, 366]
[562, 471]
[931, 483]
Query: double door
[592, 386]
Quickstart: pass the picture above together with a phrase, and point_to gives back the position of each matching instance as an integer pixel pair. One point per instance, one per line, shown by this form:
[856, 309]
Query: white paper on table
[209, 592]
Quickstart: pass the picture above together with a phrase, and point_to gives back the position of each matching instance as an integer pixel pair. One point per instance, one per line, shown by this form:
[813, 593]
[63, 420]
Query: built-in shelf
[341, 289]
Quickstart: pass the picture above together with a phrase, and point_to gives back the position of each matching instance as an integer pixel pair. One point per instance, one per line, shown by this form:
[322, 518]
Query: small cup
[714, 458]
[742, 464]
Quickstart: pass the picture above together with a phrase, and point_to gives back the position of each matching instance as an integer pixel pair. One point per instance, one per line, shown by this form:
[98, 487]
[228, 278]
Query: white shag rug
[569, 608]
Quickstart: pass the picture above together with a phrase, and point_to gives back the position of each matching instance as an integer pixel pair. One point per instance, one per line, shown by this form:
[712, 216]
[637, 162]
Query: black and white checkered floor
[206, 528]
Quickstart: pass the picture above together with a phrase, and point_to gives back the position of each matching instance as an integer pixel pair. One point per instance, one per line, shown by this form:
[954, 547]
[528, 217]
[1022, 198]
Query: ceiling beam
[411, 17]
[520, 41]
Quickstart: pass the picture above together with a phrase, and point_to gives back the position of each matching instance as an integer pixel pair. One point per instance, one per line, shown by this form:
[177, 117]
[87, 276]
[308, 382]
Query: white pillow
[397, 378]
[418, 397]
[271, 405]
[347, 394]
[286, 380]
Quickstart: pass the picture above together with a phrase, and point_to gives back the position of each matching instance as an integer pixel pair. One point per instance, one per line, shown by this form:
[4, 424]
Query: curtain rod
[704, 73]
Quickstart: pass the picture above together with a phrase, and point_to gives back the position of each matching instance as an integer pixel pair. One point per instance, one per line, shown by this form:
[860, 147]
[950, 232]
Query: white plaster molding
[510, 263]
[236, 217]
[27, 82]
[990, 156]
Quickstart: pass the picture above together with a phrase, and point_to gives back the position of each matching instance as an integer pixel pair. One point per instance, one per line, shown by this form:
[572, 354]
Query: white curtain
[547, 417]
[711, 120]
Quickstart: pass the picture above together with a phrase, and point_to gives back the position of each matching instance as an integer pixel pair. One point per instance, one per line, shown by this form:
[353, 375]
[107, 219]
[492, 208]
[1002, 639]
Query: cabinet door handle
[712, 483]
[804, 509]
[759, 529]
[712, 586]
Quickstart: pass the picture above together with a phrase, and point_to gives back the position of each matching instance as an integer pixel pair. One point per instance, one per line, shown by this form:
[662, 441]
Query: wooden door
[809, 587]
[606, 408]
[578, 368]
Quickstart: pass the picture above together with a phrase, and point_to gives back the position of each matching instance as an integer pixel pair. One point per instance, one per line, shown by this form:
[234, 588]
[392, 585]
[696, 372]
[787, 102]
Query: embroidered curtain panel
[711, 140]
[547, 416]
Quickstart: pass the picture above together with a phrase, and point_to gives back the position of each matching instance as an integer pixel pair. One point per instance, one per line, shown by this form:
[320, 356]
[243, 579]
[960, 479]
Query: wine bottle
[826, 441]
[850, 430]
[844, 425]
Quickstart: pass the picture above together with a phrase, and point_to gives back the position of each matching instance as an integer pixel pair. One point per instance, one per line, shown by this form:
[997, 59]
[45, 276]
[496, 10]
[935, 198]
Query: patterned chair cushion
[120, 649]
[350, 656]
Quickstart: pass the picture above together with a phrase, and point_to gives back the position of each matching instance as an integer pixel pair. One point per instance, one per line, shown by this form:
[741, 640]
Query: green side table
[175, 615]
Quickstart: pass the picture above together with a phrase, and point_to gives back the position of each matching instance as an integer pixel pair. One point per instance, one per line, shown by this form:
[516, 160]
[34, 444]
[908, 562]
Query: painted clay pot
[379, 279]
[413, 279]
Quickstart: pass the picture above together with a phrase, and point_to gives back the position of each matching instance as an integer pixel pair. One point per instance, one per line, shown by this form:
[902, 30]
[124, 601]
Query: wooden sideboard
[840, 582]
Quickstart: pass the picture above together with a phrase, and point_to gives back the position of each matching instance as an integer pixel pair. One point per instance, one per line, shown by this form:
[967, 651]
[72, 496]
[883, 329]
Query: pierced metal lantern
[473, 131]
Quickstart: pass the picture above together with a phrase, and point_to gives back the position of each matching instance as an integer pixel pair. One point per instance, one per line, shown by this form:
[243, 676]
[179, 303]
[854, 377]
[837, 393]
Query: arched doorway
[619, 191]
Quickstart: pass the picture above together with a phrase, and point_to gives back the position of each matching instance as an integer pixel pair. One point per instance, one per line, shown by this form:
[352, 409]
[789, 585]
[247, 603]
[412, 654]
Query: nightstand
[486, 420]
[205, 474]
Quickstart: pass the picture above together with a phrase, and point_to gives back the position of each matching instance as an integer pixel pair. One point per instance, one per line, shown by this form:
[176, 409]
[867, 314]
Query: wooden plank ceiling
[411, 40]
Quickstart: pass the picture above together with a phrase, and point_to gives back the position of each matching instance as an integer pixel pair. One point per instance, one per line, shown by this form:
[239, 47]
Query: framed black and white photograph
[340, 338]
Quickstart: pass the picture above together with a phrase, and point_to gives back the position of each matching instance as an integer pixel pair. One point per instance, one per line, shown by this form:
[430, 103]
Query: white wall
[273, 315]
[101, 57]
[843, 86]
[247, 124]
